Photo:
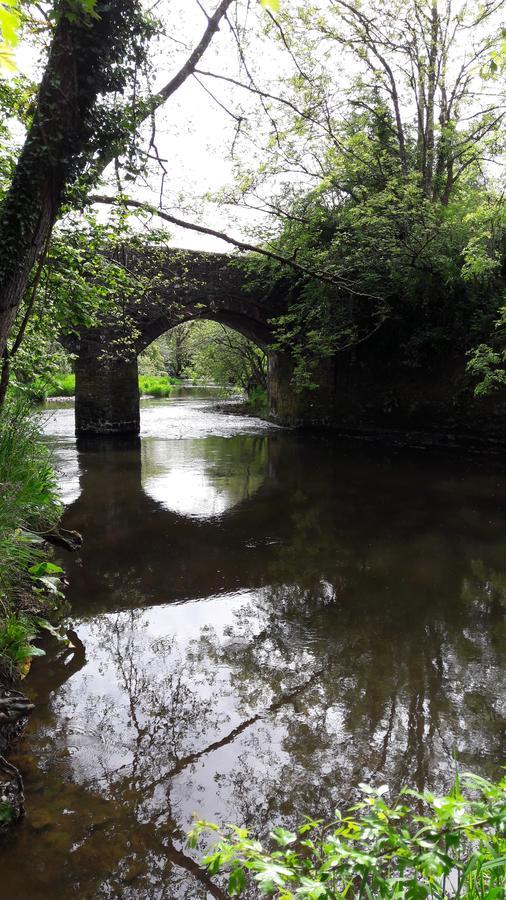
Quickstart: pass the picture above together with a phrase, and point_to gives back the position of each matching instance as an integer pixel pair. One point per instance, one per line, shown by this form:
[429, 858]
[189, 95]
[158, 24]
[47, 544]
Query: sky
[194, 134]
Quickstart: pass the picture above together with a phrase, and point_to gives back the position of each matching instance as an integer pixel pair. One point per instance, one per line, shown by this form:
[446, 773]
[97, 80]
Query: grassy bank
[157, 385]
[65, 386]
[29, 507]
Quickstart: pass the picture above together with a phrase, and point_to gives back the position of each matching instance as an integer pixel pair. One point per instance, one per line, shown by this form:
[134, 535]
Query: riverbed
[260, 620]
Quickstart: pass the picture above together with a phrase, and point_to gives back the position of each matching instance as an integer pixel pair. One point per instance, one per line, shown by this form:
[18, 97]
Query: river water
[261, 619]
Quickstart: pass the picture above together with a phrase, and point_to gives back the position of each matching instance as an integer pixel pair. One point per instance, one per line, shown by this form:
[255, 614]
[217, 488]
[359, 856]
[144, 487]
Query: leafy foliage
[207, 351]
[9, 27]
[377, 174]
[421, 846]
[16, 635]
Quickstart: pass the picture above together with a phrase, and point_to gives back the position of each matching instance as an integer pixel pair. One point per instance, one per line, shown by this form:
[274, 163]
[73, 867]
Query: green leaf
[51, 584]
[7, 58]
[9, 22]
[45, 568]
[34, 651]
[270, 4]
[236, 882]
[283, 837]
[61, 637]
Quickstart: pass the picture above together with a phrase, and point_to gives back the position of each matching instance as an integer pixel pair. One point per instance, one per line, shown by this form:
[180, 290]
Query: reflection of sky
[138, 665]
[200, 478]
[189, 492]
[58, 426]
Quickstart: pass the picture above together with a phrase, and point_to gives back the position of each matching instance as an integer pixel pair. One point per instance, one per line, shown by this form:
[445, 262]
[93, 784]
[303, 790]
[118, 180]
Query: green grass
[65, 386]
[157, 385]
[29, 505]
[55, 386]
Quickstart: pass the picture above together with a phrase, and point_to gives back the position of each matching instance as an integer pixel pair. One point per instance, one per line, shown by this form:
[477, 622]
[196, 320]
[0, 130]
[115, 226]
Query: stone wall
[364, 398]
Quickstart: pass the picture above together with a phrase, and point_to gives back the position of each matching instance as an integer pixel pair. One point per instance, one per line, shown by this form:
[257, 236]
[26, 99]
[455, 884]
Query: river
[261, 619]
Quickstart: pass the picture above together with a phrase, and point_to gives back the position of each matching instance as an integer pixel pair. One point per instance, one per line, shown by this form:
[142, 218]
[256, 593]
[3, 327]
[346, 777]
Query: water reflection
[203, 477]
[342, 618]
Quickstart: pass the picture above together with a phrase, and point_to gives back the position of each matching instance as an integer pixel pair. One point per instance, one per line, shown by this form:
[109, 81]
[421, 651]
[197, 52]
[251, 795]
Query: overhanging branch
[305, 271]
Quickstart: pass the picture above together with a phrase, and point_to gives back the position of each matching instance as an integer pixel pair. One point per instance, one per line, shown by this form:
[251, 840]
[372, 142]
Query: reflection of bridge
[184, 286]
[171, 556]
[315, 512]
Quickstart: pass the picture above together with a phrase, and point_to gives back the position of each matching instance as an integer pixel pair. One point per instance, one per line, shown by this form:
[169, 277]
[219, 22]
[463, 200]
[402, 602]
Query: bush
[16, 635]
[421, 847]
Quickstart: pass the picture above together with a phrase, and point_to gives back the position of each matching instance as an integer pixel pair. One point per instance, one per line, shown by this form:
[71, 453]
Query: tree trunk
[432, 76]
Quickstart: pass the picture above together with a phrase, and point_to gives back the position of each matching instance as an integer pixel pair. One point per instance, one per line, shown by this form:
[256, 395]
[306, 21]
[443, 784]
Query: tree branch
[236, 242]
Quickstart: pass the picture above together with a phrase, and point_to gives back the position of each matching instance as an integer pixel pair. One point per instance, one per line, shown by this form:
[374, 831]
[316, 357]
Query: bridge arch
[190, 286]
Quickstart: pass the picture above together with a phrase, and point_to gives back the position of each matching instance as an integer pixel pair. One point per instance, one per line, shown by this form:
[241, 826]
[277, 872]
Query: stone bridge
[182, 286]
[365, 391]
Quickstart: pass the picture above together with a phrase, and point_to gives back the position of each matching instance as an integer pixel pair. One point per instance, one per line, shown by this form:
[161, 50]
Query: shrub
[16, 635]
[422, 846]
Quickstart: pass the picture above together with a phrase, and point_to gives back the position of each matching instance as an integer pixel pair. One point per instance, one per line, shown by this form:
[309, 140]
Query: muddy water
[260, 620]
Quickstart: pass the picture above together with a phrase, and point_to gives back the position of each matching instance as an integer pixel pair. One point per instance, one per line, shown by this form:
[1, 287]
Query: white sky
[193, 133]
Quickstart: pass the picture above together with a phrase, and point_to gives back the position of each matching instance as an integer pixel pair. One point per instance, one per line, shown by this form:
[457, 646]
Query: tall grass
[55, 386]
[29, 505]
[157, 385]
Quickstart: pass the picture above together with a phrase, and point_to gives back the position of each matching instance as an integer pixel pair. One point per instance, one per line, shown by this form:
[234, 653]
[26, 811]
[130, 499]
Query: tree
[376, 170]
[81, 122]
[224, 356]
[209, 351]
[83, 280]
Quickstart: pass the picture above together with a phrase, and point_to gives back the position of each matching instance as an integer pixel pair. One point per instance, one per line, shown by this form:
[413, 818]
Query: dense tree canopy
[208, 351]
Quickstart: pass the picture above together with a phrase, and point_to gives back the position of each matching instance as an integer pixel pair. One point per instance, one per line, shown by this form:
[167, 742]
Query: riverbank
[30, 584]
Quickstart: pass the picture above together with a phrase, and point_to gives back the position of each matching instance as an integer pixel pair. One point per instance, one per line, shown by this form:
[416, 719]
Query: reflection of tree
[395, 690]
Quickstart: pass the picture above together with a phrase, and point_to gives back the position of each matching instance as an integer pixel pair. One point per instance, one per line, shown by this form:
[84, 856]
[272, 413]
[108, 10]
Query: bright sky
[193, 134]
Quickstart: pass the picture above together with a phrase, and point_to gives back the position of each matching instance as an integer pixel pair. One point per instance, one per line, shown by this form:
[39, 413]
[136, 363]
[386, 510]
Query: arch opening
[204, 350]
